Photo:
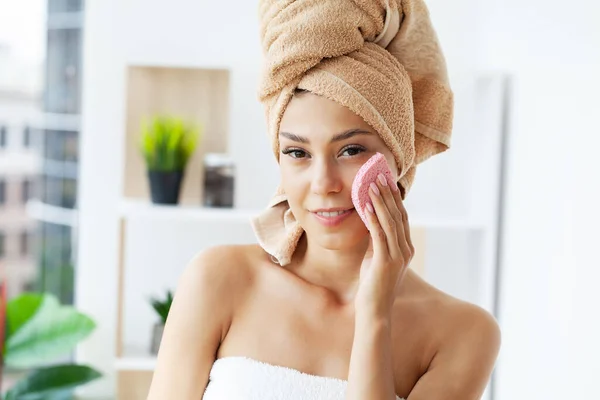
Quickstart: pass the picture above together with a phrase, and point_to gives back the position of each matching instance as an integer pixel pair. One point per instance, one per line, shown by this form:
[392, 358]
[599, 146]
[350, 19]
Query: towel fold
[379, 58]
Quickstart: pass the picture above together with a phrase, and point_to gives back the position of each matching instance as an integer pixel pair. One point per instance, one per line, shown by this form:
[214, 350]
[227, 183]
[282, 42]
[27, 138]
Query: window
[25, 243]
[27, 137]
[2, 241]
[2, 192]
[26, 190]
[62, 71]
[71, 146]
[24, 239]
[61, 145]
[60, 6]
[3, 136]
[59, 192]
[57, 272]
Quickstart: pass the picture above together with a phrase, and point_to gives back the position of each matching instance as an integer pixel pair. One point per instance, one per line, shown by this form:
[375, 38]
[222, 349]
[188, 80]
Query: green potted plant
[167, 146]
[39, 331]
[162, 307]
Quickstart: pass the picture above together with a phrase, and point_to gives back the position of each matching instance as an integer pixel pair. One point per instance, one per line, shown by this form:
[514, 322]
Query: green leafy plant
[168, 143]
[39, 330]
[162, 307]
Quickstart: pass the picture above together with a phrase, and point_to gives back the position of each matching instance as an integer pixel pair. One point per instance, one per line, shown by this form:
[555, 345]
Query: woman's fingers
[381, 197]
[405, 240]
[378, 236]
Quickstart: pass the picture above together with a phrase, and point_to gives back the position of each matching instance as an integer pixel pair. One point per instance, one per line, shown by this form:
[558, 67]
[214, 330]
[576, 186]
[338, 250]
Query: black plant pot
[165, 186]
[157, 334]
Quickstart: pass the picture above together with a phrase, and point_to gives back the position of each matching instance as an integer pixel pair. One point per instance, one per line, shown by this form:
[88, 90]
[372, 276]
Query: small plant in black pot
[167, 145]
[162, 307]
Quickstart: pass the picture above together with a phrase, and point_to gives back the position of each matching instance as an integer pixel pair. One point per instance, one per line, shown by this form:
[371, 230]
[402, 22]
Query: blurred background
[131, 138]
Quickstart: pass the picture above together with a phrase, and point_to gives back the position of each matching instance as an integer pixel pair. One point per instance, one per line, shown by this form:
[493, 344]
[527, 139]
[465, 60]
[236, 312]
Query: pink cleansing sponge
[365, 175]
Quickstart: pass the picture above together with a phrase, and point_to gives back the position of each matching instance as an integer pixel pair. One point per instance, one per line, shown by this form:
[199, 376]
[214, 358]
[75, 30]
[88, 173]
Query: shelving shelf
[145, 209]
[135, 360]
[137, 208]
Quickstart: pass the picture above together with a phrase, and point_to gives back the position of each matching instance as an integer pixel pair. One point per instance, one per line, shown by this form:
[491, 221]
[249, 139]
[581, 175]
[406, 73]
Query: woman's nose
[326, 177]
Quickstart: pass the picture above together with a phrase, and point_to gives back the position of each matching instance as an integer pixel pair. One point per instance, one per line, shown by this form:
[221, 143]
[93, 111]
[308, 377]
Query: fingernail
[369, 207]
[395, 187]
[382, 179]
[374, 188]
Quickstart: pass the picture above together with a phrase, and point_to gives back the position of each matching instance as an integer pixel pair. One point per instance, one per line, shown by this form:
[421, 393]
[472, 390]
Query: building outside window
[60, 147]
[41, 112]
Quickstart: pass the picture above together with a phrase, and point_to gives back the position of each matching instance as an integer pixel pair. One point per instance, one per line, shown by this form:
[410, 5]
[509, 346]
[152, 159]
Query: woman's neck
[335, 270]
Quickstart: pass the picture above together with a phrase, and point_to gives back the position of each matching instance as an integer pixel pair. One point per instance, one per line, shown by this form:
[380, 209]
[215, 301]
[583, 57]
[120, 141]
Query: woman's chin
[346, 235]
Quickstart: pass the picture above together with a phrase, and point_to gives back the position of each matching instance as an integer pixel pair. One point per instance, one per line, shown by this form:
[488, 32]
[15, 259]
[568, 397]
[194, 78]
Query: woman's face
[322, 146]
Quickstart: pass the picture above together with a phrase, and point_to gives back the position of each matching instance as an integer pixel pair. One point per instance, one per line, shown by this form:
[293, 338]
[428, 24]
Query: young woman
[334, 312]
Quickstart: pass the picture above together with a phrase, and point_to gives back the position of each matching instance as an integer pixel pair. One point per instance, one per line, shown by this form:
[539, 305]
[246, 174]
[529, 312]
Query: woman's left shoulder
[467, 321]
[455, 321]
[464, 325]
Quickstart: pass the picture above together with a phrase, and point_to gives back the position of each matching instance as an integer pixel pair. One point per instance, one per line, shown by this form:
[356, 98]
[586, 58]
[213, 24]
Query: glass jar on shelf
[219, 175]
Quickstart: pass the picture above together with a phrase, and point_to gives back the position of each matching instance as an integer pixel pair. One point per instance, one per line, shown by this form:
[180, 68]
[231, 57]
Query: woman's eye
[295, 153]
[353, 150]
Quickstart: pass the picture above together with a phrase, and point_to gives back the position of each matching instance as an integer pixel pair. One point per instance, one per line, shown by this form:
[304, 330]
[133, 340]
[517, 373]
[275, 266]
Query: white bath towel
[241, 378]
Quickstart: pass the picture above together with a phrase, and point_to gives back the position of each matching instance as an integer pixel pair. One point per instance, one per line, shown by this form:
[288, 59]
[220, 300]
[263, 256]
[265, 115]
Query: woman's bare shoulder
[465, 321]
[226, 262]
[225, 268]
[456, 321]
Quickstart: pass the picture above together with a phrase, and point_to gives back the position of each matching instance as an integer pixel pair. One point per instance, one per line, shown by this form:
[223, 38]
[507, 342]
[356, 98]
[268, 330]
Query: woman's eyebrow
[339, 137]
[349, 133]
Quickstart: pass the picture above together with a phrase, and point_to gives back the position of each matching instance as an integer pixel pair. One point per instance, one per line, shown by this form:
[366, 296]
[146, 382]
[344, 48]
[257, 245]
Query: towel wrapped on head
[379, 58]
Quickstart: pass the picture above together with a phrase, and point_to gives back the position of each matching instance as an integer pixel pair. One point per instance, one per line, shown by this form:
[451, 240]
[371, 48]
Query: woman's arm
[463, 365]
[199, 315]
[371, 374]
[460, 369]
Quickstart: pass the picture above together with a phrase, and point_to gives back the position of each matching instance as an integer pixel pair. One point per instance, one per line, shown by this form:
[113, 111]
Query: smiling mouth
[330, 214]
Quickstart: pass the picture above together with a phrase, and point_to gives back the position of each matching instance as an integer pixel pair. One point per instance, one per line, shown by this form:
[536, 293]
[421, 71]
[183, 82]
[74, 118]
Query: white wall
[549, 313]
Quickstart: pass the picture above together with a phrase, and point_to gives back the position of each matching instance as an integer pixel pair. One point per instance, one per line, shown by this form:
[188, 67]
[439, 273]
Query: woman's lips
[333, 220]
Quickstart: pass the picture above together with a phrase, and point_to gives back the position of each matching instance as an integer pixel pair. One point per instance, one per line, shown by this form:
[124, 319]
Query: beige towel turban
[379, 58]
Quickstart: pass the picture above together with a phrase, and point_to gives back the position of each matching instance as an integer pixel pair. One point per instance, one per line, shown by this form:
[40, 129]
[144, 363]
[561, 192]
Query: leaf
[53, 331]
[20, 309]
[52, 383]
[162, 307]
[168, 143]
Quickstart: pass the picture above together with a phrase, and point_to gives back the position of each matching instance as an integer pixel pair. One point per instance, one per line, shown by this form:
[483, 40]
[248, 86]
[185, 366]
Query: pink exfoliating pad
[365, 175]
